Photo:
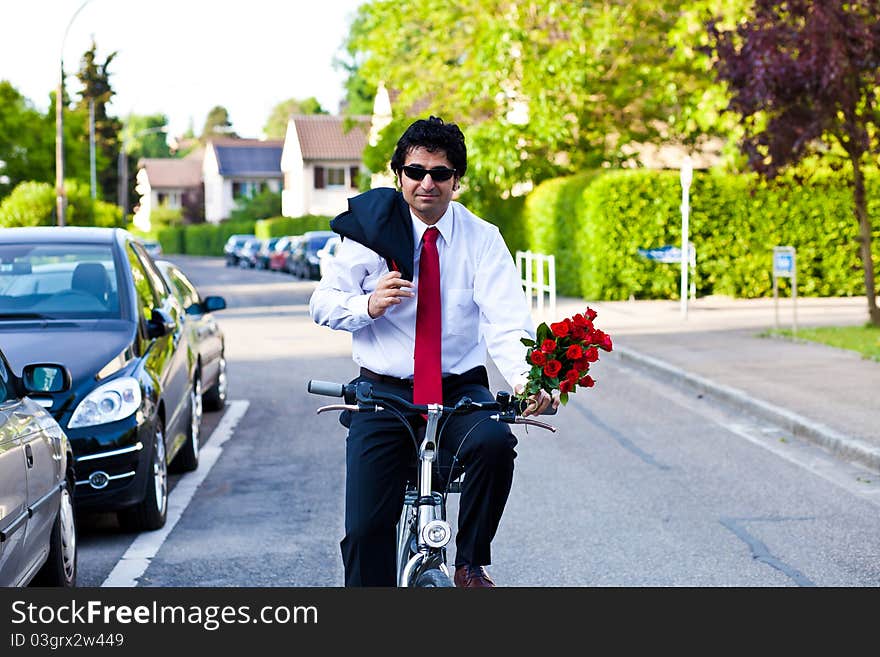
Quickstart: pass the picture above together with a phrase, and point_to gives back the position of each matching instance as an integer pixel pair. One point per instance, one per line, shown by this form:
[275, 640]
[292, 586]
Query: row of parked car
[108, 359]
[299, 255]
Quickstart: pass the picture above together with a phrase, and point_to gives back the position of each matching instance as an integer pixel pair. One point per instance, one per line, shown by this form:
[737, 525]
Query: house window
[248, 189]
[319, 177]
[335, 177]
[162, 197]
[354, 172]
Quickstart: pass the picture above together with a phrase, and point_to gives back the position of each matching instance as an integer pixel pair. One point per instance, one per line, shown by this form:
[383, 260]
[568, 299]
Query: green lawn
[863, 339]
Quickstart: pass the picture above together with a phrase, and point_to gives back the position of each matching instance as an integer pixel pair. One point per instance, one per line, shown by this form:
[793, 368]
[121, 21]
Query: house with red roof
[175, 183]
[322, 163]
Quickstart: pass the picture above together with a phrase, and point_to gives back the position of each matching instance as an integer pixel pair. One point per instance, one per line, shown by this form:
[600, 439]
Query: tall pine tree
[95, 78]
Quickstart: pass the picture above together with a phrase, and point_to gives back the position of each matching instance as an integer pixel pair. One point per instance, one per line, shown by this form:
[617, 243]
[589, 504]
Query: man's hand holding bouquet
[561, 357]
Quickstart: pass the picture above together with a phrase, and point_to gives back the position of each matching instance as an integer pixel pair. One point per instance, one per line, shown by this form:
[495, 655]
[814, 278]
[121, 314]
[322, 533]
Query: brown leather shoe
[472, 577]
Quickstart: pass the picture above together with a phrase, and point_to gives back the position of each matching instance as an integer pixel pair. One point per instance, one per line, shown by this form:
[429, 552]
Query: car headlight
[114, 400]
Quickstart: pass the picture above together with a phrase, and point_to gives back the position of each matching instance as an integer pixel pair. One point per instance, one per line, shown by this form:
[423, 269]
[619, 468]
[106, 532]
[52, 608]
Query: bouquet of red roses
[560, 359]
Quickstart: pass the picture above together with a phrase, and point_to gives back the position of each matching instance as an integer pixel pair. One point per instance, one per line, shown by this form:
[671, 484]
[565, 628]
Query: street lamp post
[60, 196]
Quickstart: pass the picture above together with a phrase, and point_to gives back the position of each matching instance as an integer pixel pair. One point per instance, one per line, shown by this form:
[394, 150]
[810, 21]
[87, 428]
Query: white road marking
[137, 557]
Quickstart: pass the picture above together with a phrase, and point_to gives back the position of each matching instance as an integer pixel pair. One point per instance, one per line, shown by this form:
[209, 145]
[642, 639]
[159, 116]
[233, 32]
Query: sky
[182, 57]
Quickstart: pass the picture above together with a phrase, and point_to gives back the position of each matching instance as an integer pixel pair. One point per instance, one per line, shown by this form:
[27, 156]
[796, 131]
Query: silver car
[37, 528]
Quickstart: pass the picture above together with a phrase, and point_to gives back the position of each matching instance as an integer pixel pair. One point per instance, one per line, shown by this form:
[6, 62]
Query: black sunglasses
[418, 173]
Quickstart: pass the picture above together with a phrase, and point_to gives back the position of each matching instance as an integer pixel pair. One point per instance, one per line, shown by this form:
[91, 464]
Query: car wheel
[60, 567]
[187, 458]
[151, 512]
[214, 398]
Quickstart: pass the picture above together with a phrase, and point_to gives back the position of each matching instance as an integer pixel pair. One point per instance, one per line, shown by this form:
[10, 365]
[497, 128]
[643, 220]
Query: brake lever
[337, 407]
[354, 408]
[535, 423]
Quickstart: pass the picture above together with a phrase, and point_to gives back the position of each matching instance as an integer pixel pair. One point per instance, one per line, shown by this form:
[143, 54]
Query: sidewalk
[826, 395]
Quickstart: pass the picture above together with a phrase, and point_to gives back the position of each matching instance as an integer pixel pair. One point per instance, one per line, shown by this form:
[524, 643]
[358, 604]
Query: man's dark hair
[433, 135]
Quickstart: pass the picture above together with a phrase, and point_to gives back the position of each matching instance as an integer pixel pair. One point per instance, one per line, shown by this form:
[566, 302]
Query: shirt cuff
[359, 307]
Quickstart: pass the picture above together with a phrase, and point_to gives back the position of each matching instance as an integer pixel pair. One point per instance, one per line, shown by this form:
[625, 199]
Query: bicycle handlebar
[327, 388]
[362, 395]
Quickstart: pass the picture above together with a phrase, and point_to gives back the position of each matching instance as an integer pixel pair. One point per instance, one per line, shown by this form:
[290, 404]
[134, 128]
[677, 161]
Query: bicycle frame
[423, 532]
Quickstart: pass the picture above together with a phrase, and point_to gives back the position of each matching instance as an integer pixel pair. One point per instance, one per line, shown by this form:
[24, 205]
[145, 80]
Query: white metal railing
[538, 278]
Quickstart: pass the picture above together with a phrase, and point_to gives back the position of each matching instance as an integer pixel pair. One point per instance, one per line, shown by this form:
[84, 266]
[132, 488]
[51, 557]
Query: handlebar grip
[524, 404]
[327, 388]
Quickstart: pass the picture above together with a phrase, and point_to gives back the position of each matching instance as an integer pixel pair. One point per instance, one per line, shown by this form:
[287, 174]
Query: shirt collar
[444, 226]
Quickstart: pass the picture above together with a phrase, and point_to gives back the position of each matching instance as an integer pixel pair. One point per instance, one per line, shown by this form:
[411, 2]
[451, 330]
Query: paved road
[645, 484]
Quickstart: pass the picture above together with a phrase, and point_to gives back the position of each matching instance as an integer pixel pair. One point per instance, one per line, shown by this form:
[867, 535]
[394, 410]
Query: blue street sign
[783, 261]
[668, 254]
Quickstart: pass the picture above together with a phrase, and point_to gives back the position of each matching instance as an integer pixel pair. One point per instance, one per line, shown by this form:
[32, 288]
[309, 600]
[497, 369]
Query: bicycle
[423, 531]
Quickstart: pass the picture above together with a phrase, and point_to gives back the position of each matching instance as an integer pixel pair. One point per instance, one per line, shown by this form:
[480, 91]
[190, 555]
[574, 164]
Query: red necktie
[427, 375]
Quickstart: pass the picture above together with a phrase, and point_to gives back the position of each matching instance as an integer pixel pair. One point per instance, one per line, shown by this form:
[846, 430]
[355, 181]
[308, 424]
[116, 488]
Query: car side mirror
[213, 303]
[161, 323]
[45, 378]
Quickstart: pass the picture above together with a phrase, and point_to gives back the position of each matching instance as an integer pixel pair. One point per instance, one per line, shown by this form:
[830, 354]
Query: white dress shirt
[483, 304]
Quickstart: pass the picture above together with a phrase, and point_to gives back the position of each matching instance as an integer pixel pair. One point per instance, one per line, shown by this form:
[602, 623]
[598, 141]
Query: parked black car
[93, 300]
[37, 526]
[210, 380]
[233, 246]
[304, 261]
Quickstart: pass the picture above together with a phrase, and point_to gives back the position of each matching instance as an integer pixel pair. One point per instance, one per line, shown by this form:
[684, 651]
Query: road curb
[846, 447]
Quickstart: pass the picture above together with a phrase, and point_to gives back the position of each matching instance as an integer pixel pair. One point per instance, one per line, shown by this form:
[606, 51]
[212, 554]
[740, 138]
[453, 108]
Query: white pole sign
[785, 266]
[687, 174]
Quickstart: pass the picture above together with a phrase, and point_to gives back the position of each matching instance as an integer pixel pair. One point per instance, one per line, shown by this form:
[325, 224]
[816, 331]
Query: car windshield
[58, 281]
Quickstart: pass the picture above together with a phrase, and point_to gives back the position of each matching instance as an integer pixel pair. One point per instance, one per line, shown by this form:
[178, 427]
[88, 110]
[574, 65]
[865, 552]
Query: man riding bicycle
[427, 290]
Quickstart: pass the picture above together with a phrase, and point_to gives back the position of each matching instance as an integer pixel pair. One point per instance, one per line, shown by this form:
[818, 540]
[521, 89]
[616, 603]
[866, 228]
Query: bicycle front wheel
[433, 578]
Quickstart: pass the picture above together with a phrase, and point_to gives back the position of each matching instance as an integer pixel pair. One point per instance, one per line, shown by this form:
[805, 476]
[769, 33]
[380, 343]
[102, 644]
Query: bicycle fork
[432, 533]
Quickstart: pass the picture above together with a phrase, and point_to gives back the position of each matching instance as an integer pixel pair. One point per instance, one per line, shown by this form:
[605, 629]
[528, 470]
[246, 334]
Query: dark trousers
[379, 456]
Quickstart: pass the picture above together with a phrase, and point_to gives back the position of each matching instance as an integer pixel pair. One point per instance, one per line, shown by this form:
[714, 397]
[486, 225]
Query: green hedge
[596, 224]
[506, 213]
[552, 223]
[281, 226]
[208, 239]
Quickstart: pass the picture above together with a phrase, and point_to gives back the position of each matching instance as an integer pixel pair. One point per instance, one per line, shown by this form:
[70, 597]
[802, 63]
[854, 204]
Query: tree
[146, 135]
[804, 74]
[276, 124]
[217, 124]
[27, 141]
[97, 91]
[542, 88]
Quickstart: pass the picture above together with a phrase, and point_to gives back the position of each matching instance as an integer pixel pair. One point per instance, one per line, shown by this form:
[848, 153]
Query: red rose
[592, 354]
[561, 329]
[580, 320]
[552, 368]
[574, 352]
[572, 375]
[591, 314]
[587, 382]
[605, 342]
[578, 333]
[566, 386]
[548, 346]
[581, 365]
[538, 358]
